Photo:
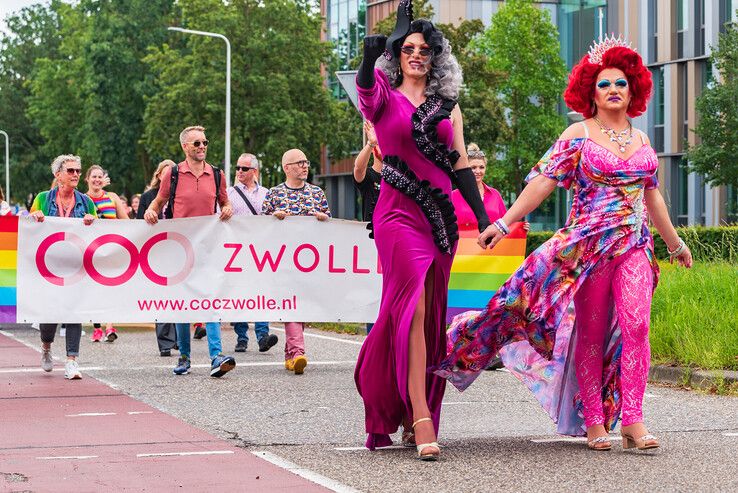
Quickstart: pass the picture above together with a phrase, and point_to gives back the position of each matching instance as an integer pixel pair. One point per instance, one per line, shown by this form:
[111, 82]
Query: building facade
[674, 37]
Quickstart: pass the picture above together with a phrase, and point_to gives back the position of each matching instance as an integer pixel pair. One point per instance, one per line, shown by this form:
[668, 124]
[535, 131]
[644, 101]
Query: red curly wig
[579, 94]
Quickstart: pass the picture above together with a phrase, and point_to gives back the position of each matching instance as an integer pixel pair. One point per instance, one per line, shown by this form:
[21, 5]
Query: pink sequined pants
[626, 282]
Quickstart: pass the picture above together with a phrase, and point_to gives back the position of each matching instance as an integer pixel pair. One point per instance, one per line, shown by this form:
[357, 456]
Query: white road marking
[458, 403]
[353, 449]
[17, 339]
[140, 412]
[649, 395]
[69, 457]
[83, 415]
[169, 454]
[169, 367]
[328, 338]
[730, 434]
[304, 473]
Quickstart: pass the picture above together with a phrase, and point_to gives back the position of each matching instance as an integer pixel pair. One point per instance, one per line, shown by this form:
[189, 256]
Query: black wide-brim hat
[402, 28]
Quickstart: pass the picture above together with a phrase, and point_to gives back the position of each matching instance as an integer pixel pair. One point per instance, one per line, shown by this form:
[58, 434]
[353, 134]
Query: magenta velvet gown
[415, 232]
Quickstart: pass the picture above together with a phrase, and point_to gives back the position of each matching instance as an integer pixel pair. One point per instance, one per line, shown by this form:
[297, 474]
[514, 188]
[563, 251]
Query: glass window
[653, 12]
[658, 107]
[700, 31]
[682, 25]
[685, 101]
[580, 22]
[726, 13]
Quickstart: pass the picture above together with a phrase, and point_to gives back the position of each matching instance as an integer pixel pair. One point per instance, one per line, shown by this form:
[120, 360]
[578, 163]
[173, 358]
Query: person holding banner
[64, 200]
[194, 188]
[295, 197]
[411, 100]
[247, 198]
[109, 206]
[586, 366]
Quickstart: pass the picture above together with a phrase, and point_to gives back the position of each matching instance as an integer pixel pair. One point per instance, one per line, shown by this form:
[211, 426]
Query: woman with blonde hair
[148, 196]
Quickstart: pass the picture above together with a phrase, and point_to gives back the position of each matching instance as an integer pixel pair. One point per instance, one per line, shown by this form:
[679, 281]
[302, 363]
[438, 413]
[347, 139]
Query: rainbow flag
[476, 274]
[8, 262]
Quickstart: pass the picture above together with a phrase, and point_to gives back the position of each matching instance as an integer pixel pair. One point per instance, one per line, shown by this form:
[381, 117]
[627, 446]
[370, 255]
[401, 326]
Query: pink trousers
[294, 344]
[625, 282]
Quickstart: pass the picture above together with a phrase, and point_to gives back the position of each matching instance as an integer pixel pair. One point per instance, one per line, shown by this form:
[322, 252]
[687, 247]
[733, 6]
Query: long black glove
[468, 187]
[373, 49]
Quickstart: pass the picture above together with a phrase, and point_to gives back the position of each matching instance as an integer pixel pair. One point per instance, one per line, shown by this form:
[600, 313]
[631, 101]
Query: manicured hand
[226, 212]
[526, 226]
[38, 216]
[87, 219]
[490, 237]
[321, 216]
[151, 217]
[280, 215]
[374, 46]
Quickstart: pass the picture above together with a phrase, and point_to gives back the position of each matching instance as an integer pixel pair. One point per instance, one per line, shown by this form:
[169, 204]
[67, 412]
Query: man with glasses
[196, 194]
[296, 197]
[247, 197]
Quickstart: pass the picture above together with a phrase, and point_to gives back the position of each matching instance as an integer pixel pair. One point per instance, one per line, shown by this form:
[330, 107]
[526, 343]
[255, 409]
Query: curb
[688, 377]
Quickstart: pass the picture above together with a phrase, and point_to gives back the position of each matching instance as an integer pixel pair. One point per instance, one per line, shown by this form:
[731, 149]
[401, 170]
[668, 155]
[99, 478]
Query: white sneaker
[47, 363]
[71, 370]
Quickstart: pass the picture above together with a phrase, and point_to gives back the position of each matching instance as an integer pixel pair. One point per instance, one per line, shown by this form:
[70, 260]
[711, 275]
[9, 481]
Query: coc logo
[137, 259]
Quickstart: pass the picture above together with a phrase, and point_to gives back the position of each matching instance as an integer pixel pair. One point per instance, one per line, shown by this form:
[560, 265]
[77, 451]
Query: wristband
[678, 250]
[500, 224]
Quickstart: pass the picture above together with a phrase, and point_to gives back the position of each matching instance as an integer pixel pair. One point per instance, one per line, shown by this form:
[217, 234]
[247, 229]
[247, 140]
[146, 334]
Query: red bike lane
[59, 435]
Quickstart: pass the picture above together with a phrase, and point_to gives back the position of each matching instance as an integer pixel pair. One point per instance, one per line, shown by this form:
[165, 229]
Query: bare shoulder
[646, 140]
[574, 131]
[456, 114]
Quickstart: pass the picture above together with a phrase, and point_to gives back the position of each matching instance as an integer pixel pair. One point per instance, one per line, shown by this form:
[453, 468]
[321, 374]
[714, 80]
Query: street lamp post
[228, 94]
[7, 165]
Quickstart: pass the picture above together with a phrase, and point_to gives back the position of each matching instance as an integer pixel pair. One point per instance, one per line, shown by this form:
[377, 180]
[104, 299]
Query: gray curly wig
[445, 77]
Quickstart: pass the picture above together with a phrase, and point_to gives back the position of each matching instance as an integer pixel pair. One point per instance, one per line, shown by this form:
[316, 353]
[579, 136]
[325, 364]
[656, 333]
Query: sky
[9, 6]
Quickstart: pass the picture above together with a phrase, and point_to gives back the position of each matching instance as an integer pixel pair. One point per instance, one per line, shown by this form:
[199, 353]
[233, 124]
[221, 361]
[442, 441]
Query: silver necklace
[623, 138]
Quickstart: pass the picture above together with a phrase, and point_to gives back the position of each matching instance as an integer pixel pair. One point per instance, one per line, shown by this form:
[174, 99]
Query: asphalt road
[494, 435]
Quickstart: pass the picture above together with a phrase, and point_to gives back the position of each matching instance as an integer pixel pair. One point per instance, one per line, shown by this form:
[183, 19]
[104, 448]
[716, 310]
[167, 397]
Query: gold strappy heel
[645, 442]
[428, 456]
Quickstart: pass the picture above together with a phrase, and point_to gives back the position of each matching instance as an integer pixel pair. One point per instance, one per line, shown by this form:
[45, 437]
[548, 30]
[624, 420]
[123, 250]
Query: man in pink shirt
[200, 189]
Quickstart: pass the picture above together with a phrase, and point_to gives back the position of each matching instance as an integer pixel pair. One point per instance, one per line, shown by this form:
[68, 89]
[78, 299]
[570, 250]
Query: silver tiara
[598, 49]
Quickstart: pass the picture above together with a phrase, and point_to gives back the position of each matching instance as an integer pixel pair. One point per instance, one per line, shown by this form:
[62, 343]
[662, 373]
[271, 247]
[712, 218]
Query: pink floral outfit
[572, 322]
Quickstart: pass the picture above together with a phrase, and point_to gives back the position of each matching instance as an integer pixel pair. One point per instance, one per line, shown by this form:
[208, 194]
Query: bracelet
[372, 145]
[678, 250]
[500, 224]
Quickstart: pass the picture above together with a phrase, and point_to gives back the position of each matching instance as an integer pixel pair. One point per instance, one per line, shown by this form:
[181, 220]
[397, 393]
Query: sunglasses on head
[605, 84]
[243, 168]
[410, 49]
[198, 143]
[74, 171]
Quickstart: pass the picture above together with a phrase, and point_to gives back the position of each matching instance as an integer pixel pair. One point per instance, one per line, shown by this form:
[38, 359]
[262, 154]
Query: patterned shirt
[305, 201]
[256, 196]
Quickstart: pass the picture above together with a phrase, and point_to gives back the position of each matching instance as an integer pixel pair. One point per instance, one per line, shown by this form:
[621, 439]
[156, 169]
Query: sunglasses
[410, 49]
[243, 168]
[605, 84]
[302, 164]
[198, 143]
[74, 171]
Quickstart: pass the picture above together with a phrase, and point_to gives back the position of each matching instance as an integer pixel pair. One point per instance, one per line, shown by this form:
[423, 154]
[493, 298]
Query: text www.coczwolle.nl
[255, 303]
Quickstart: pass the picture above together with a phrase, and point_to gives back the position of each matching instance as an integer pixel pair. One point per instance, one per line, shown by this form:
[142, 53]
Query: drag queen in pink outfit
[411, 102]
[587, 364]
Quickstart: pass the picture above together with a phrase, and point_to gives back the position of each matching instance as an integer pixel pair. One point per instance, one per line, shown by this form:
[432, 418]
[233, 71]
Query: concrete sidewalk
[83, 435]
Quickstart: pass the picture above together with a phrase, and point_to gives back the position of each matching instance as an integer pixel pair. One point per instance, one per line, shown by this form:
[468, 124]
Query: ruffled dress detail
[530, 319]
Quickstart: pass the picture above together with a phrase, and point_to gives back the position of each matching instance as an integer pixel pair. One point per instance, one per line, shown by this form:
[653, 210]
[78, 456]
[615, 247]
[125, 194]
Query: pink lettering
[260, 263]
[358, 270]
[331, 267]
[236, 249]
[296, 257]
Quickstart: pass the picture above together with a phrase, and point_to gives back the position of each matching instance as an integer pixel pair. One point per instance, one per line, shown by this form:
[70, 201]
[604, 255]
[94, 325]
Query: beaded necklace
[623, 138]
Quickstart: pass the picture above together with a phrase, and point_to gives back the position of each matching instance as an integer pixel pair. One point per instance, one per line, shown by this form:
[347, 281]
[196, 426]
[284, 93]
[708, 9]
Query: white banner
[197, 270]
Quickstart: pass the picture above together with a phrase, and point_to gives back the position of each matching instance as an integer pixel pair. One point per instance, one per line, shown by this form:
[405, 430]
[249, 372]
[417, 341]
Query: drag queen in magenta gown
[411, 102]
[572, 322]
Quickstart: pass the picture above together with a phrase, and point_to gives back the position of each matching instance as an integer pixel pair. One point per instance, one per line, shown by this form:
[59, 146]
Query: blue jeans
[261, 329]
[214, 345]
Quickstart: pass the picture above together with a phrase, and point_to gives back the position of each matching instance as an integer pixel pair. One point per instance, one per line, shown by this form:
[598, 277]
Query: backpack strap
[169, 213]
[246, 200]
[216, 176]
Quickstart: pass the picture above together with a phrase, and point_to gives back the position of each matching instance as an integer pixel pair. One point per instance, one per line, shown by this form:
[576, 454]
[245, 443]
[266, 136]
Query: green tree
[88, 98]
[522, 46]
[279, 100]
[33, 33]
[716, 156]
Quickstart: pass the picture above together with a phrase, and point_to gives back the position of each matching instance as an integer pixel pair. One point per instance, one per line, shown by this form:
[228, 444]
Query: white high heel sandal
[431, 456]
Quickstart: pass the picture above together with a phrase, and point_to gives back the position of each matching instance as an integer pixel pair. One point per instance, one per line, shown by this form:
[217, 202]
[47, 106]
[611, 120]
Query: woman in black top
[367, 178]
[148, 196]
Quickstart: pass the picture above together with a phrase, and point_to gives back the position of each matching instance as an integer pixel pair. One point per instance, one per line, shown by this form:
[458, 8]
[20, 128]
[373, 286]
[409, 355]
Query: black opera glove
[374, 46]
[467, 185]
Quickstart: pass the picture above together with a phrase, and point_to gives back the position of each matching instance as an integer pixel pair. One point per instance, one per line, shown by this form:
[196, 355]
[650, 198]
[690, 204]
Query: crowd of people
[587, 366]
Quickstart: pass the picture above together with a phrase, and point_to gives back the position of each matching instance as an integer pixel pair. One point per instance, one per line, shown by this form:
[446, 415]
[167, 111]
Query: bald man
[295, 197]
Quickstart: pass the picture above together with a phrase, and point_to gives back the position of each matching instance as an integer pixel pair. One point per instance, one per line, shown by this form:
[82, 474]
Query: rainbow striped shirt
[105, 206]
